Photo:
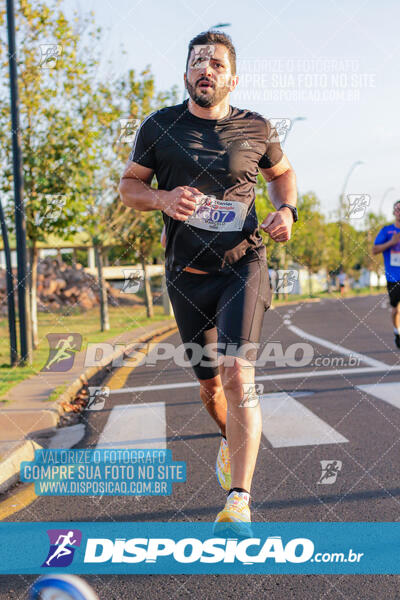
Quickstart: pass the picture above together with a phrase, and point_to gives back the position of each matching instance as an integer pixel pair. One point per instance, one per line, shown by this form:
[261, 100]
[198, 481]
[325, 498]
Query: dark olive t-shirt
[221, 159]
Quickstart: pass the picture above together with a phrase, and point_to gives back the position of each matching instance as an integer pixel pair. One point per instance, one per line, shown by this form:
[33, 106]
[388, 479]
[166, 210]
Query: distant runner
[388, 242]
[206, 156]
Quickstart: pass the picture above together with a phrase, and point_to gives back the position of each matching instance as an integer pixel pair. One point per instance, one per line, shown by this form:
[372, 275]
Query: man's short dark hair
[214, 37]
[396, 203]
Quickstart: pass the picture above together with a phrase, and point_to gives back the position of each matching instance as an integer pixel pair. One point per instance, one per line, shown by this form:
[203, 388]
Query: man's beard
[211, 99]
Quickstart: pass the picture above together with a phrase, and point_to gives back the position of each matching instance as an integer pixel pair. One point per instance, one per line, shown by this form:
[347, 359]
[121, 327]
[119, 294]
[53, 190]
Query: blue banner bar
[191, 548]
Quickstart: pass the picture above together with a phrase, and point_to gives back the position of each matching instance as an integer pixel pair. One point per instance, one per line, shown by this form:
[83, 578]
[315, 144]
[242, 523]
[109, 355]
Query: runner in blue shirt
[388, 242]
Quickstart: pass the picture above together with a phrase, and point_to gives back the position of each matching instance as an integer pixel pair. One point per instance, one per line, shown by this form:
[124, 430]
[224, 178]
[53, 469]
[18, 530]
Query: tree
[71, 138]
[307, 244]
[54, 86]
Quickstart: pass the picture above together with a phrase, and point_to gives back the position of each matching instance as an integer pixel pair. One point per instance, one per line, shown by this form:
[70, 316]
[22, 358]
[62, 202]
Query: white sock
[244, 495]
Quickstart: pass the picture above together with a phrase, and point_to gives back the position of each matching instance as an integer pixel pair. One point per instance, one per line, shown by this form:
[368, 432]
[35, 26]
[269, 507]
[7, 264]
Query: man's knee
[233, 374]
[210, 388]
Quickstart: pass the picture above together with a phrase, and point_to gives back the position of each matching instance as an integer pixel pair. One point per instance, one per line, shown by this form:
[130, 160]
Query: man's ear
[184, 80]
[234, 82]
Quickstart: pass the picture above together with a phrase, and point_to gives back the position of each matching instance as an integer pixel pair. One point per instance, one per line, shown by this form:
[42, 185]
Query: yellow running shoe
[234, 518]
[223, 466]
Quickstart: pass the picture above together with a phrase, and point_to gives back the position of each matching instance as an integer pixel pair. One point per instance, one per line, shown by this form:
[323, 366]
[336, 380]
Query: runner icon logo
[62, 547]
[358, 204]
[128, 130]
[286, 279]
[97, 397]
[49, 55]
[202, 55]
[330, 470]
[280, 130]
[62, 351]
[134, 279]
[251, 394]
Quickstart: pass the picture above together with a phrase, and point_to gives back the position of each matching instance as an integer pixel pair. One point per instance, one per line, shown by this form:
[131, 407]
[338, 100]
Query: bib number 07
[218, 215]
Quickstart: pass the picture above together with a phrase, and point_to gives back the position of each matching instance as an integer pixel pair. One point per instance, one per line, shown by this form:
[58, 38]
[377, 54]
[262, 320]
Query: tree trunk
[147, 291]
[104, 320]
[33, 253]
[309, 282]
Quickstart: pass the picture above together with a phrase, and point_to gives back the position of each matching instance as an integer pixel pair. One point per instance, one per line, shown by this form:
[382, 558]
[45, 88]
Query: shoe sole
[233, 529]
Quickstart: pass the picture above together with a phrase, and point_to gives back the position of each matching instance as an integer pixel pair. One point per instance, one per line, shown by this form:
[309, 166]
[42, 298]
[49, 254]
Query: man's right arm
[377, 248]
[135, 191]
[382, 243]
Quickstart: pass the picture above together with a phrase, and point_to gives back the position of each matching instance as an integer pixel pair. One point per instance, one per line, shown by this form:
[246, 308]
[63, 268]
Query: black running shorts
[226, 307]
[393, 288]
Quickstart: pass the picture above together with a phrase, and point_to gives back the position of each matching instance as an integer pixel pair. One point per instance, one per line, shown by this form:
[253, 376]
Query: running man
[62, 542]
[206, 155]
[64, 349]
[388, 242]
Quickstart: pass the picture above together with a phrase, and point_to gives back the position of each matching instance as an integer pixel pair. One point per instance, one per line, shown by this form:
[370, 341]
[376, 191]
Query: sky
[335, 63]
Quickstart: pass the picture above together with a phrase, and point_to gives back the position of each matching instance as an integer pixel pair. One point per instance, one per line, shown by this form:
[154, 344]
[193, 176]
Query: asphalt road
[343, 420]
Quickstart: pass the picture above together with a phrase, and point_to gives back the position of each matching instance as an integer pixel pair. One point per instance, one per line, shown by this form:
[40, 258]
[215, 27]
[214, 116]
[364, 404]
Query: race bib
[218, 215]
[394, 259]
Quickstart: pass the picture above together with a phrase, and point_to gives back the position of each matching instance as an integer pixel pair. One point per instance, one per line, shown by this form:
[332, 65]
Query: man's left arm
[282, 188]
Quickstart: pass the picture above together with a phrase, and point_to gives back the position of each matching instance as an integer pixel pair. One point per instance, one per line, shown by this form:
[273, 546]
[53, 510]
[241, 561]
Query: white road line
[135, 426]
[388, 392]
[154, 388]
[340, 349]
[286, 422]
[292, 375]
[326, 372]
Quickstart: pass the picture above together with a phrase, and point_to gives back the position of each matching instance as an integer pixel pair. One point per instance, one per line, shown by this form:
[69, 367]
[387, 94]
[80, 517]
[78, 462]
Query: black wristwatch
[293, 209]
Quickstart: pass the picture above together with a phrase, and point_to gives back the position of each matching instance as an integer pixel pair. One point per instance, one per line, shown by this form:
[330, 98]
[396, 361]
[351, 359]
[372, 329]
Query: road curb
[25, 451]
[90, 372]
[10, 466]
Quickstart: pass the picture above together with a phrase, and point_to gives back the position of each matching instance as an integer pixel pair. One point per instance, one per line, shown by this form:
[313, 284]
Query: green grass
[334, 294]
[87, 324]
[56, 393]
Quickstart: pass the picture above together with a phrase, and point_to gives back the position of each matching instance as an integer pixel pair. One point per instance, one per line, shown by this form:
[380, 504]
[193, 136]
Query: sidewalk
[28, 419]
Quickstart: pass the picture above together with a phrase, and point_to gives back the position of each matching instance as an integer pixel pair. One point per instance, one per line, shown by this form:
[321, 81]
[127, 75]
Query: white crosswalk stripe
[135, 426]
[388, 392]
[286, 422]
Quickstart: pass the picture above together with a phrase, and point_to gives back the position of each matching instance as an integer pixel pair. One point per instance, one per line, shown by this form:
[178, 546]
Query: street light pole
[353, 166]
[385, 193]
[10, 292]
[23, 289]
